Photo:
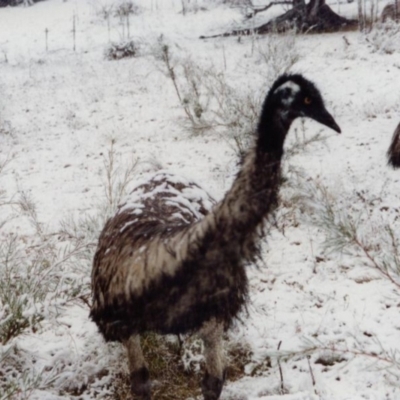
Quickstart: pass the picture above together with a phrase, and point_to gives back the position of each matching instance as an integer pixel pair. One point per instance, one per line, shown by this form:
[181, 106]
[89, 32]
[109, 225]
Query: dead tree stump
[315, 16]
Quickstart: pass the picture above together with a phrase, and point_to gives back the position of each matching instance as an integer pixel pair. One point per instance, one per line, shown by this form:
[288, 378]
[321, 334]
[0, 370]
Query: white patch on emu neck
[293, 89]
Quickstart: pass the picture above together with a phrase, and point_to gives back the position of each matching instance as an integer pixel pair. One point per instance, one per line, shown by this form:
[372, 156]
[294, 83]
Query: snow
[59, 111]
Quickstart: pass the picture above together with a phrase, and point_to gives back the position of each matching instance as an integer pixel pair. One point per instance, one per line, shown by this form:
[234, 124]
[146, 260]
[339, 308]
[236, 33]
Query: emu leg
[139, 374]
[211, 333]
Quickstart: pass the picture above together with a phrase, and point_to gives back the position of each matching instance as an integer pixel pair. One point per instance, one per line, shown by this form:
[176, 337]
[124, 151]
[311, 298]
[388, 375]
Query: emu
[171, 261]
[393, 152]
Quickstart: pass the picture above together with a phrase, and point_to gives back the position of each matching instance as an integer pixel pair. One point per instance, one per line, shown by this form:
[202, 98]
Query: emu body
[159, 255]
[173, 261]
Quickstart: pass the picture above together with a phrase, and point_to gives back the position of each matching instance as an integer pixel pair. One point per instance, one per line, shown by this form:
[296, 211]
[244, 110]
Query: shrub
[40, 276]
[35, 279]
[384, 37]
[126, 8]
[269, 53]
[125, 49]
[211, 103]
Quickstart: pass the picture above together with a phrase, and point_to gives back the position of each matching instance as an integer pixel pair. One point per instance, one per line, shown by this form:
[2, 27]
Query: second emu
[393, 152]
[170, 261]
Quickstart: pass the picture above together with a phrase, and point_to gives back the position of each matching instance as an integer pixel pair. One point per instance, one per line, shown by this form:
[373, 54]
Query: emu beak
[326, 119]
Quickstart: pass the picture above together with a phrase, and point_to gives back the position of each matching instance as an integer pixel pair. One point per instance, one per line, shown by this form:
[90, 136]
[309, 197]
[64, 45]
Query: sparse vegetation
[357, 231]
[210, 103]
[384, 37]
[125, 8]
[5, 128]
[36, 278]
[39, 276]
[124, 49]
[269, 53]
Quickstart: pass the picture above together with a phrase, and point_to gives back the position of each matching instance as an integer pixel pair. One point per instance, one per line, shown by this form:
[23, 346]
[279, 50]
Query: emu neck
[272, 129]
[233, 227]
[253, 195]
[231, 230]
[254, 192]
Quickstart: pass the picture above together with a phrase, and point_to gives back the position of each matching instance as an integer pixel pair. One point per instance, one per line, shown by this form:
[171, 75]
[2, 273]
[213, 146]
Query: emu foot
[140, 384]
[211, 386]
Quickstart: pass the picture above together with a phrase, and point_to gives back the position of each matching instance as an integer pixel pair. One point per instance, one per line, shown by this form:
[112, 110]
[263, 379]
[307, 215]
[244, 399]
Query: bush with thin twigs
[384, 37]
[17, 381]
[358, 232]
[117, 177]
[35, 279]
[210, 103]
[38, 278]
[104, 9]
[124, 49]
[41, 275]
[120, 9]
[269, 53]
[194, 6]
[6, 127]
[5, 201]
[126, 8]
[316, 352]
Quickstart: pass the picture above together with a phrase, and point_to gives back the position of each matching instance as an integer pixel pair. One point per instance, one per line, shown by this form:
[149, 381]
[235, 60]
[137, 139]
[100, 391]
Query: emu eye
[307, 100]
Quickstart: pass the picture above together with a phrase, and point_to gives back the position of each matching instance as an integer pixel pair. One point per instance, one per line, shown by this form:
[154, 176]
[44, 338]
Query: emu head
[291, 97]
[298, 97]
[393, 152]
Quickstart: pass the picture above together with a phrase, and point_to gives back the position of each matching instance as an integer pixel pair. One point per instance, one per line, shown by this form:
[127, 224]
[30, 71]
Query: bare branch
[256, 10]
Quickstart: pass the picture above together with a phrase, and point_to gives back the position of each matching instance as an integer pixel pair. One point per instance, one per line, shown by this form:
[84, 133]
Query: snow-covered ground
[334, 316]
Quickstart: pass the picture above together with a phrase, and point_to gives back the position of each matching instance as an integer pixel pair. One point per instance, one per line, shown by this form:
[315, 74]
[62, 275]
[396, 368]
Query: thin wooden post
[128, 25]
[46, 31]
[74, 31]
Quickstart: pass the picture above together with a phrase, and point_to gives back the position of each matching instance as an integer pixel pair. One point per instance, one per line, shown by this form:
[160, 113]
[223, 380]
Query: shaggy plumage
[173, 261]
[393, 152]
